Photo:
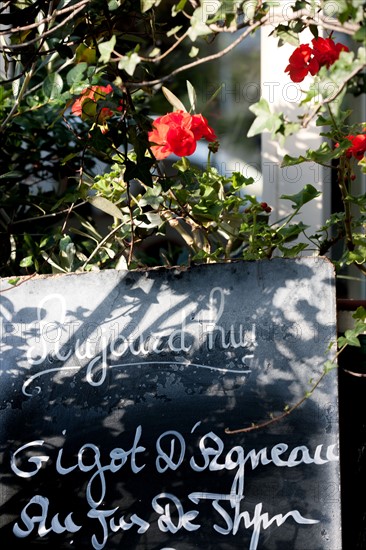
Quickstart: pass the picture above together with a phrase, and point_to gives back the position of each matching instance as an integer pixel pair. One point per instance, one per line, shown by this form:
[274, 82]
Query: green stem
[208, 160]
[287, 219]
[102, 243]
[186, 163]
[289, 410]
[21, 93]
[342, 175]
[252, 235]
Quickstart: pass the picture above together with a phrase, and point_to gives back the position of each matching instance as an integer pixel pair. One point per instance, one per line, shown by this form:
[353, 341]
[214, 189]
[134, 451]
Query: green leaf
[265, 120]
[198, 23]
[11, 175]
[106, 49]
[360, 314]
[146, 5]
[56, 267]
[192, 96]
[69, 157]
[286, 34]
[106, 206]
[26, 262]
[65, 242]
[307, 194]
[129, 63]
[339, 72]
[194, 51]
[14, 281]
[250, 9]
[179, 7]
[322, 155]
[113, 5]
[153, 220]
[294, 251]
[152, 197]
[52, 85]
[173, 31]
[292, 161]
[155, 52]
[76, 75]
[239, 181]
[16, 86]
[358, 254]
[351, 339]
[329, 365]
[360, 35]
[314, 30]
[291, 232]
[173, 100]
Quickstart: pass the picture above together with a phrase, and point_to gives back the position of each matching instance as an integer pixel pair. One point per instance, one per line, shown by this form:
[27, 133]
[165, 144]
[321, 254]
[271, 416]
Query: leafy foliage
[81, 189]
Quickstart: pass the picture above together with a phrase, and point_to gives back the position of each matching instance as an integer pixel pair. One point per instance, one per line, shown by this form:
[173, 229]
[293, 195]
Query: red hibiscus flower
[178, 133]
[201, 129]
[306, 60]
[358, 147]
[326, 51]
[301, 63]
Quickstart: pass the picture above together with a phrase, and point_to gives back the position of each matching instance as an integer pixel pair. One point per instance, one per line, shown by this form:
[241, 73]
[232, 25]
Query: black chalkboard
[121, 394]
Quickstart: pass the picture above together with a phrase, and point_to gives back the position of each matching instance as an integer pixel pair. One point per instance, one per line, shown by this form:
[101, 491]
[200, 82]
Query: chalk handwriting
[172, 518]
[118, 459]
[257, 522]
[29, 521]
[99, 351]
[102, 470]
[229, 516]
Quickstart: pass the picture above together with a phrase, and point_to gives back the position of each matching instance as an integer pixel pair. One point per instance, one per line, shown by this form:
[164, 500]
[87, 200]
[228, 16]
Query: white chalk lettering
[175, 513]
[165, 521]
[36, 460]
[211, 449]
[114, 525]
[257, 522]
[92, 463]
[164, 458]
[30, 520]
[98, 350]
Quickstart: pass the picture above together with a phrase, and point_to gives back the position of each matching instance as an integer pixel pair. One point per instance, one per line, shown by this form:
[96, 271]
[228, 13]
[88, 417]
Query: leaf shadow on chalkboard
[128, 408]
